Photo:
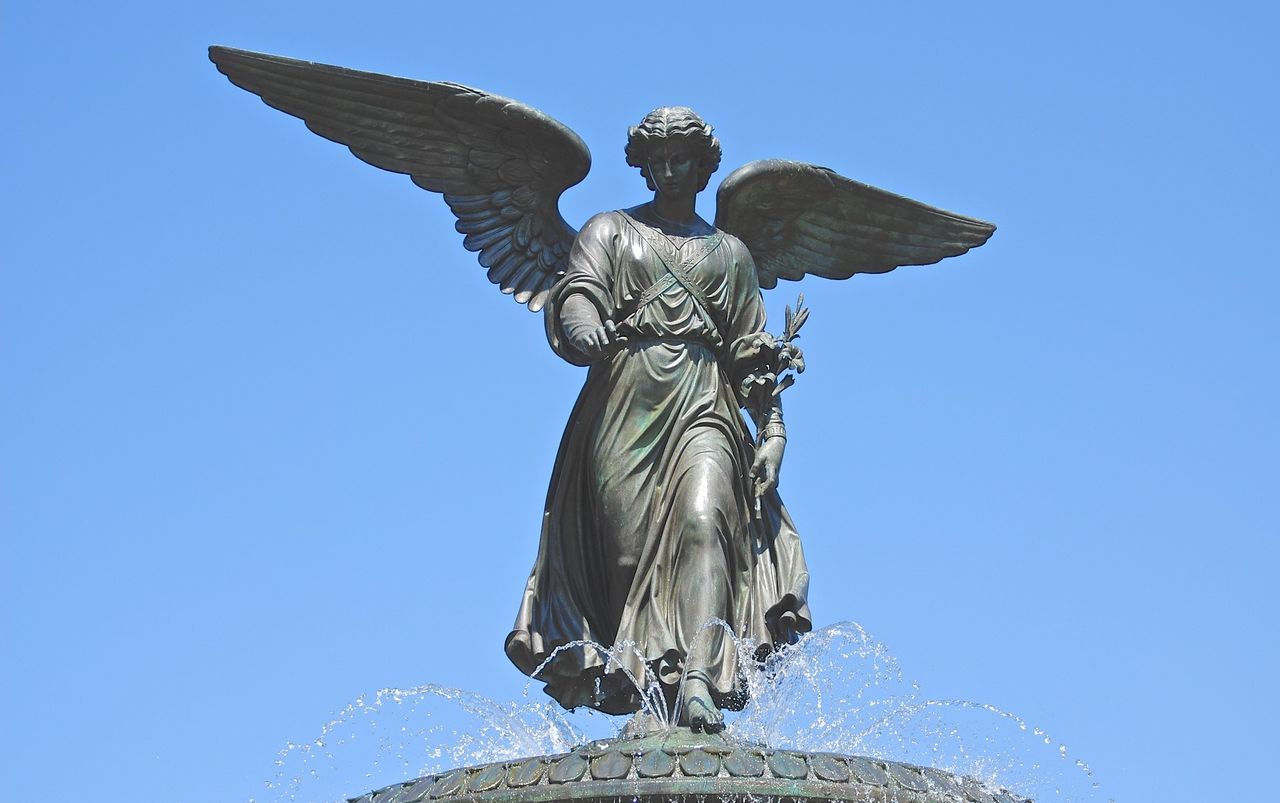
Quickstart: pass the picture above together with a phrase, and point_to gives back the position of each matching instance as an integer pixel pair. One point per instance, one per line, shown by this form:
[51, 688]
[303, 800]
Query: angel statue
[663, 512]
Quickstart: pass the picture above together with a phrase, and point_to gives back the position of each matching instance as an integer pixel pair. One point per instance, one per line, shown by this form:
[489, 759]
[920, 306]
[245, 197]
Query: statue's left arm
[771, 443]
[749, 348]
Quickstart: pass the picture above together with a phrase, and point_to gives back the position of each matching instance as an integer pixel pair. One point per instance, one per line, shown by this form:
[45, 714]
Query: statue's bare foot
[699, 713]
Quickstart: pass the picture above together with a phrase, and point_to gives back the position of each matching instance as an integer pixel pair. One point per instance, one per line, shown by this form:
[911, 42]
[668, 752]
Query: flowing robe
[650, 525]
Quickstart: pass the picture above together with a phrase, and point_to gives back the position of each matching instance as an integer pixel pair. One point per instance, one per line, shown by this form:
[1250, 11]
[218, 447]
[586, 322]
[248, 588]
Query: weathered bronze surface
[663, 510]
[684, 766]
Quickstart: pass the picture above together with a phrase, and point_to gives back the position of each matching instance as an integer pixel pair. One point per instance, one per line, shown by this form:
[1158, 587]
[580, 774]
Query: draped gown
[650, 525]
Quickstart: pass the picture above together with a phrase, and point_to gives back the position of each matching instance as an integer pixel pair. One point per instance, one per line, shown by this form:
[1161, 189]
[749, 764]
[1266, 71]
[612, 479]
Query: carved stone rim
[681, 765]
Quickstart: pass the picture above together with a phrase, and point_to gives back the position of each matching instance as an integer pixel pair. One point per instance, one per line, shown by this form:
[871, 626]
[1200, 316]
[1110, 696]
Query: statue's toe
[709, 722]
[704, 717]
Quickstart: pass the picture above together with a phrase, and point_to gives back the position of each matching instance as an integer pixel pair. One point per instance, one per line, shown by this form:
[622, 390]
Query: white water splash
[838, 691]
[398, 734]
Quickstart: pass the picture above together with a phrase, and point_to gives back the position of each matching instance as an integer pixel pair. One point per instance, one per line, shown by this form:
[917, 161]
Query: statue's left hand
[754, 348]
[768, 463]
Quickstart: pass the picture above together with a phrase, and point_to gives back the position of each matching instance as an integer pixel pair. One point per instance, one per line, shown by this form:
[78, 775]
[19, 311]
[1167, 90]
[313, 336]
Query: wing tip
[986, 230]
[221, 54]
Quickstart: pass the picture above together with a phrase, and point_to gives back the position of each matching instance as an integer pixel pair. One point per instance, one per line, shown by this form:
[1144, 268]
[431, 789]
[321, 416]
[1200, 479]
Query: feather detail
[504, 267]
[499, 248]
[524, 276]
[468, 204]
[487, 239]
[479, 224]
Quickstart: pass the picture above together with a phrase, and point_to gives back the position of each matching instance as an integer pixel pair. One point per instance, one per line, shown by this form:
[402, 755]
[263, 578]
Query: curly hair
[673, 121]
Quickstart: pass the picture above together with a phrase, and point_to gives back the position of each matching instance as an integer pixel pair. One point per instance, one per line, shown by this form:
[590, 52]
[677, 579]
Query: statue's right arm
[582, 304]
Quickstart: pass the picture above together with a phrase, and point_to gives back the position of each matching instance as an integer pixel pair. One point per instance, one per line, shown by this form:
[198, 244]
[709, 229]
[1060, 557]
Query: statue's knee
[702, 530]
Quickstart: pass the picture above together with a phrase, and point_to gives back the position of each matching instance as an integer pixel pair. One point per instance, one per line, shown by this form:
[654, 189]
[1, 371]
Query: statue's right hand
[596, 341]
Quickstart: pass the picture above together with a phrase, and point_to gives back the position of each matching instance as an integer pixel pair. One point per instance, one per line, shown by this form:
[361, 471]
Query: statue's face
[673, 168]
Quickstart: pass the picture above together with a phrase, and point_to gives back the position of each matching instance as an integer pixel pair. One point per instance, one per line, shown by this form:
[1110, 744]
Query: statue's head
[672, 125]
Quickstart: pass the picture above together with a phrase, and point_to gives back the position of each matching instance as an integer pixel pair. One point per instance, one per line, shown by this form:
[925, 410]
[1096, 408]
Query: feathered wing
[799, 219]
[501, 165]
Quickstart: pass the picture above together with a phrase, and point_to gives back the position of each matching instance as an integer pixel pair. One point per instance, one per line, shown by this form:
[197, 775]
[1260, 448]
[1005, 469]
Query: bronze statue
[663, 512]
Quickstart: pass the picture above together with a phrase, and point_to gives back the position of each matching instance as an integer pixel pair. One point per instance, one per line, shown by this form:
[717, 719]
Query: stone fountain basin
[679, 765]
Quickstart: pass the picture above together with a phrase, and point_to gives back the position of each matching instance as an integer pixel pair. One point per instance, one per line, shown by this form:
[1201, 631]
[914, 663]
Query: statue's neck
[675, 210]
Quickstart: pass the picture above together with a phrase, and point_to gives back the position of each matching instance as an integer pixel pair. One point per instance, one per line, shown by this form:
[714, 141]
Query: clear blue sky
[269, 439]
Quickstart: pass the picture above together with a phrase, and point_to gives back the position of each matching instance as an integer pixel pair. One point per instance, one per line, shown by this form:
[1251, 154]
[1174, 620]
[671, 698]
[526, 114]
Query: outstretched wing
[501, 165]
[799, 218]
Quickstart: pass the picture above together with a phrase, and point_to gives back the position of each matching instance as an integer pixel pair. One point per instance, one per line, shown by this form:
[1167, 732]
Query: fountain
[663, 511]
